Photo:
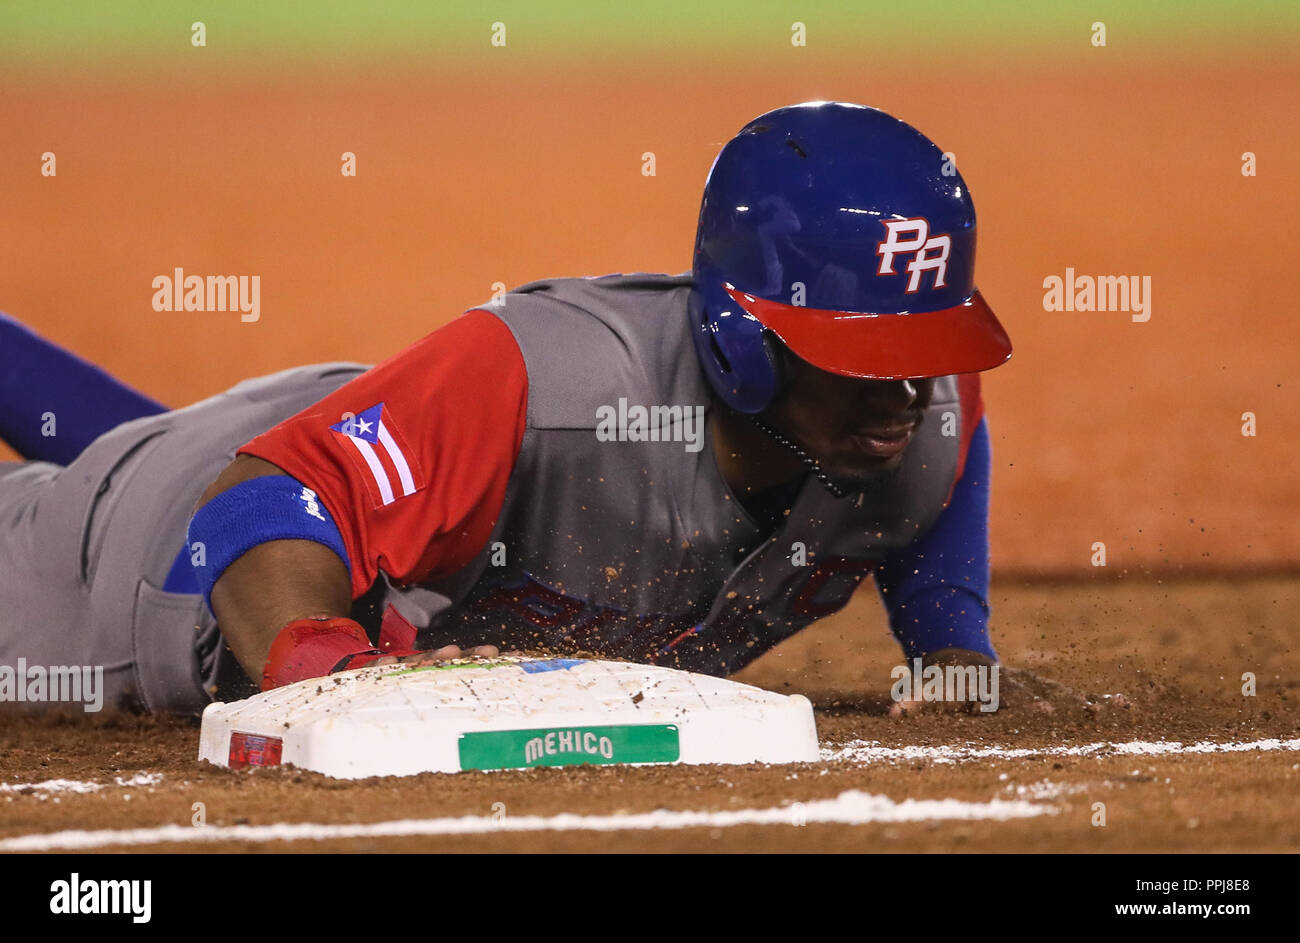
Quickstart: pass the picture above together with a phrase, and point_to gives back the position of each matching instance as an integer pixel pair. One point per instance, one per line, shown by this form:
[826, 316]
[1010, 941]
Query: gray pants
[85, 549]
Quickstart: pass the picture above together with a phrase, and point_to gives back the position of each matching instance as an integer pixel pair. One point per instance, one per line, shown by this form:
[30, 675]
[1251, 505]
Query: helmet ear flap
[738, 358]
[774, 351]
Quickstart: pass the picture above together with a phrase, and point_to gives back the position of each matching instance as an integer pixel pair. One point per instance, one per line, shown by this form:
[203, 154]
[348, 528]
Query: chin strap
[835, 490]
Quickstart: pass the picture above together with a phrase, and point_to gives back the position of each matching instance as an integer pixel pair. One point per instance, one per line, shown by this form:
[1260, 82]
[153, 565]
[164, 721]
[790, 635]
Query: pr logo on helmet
[905, 236]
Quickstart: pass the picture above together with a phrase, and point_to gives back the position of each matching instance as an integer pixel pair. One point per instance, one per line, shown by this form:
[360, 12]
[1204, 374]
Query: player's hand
[1018, 689]
[944, 657]
[446, 653]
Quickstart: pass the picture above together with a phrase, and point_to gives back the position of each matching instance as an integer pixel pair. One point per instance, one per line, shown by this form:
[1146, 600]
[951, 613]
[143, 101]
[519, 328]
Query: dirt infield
[1103, 429]
[1183, 761]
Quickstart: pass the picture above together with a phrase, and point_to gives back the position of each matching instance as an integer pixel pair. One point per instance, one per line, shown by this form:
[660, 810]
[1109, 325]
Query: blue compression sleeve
[272, 507]
[936, 588]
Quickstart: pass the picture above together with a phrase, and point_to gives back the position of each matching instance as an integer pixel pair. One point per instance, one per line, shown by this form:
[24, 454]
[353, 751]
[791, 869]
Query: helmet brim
[965, 338]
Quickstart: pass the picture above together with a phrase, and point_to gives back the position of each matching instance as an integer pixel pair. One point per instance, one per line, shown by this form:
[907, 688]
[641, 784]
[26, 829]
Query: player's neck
[748, 458]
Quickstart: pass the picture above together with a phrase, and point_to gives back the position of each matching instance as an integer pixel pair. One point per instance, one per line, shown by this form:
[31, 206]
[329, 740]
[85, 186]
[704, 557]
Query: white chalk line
[50, 787]
[869, 752]
[848, 808]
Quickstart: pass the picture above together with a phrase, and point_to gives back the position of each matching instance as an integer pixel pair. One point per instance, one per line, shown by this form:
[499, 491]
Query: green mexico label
[570, 746]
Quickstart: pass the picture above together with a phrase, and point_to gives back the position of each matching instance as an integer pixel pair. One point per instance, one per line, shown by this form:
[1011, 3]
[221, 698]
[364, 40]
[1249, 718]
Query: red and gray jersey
[539, 473]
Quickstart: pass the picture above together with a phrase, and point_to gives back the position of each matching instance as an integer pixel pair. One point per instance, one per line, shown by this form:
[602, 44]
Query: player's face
[858, 430]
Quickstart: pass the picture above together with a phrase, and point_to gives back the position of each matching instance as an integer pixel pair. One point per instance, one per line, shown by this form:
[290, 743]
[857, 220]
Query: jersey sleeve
[412, 458]
[936, 588]
[972, 411]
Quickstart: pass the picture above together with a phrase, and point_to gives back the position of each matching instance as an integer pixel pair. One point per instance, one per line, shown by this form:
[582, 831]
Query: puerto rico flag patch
[387, 465]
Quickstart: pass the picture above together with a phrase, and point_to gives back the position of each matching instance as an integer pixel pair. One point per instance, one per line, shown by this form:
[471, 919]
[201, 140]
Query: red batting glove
[313, 648]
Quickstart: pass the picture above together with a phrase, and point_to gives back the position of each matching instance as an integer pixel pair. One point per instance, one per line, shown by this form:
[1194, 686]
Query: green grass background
[88, 33]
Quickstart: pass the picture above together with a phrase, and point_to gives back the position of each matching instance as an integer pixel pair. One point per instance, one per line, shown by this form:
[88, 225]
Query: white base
[396, 721]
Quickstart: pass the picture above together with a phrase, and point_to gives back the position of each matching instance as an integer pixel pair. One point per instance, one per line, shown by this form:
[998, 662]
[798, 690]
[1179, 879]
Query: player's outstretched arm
[936, 591]
[936, 588]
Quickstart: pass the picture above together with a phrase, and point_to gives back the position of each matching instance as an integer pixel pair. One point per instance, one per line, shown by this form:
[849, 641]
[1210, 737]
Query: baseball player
[680, 470]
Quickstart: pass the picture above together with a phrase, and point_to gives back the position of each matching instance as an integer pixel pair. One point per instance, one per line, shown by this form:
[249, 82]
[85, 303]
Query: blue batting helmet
[846, 234]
